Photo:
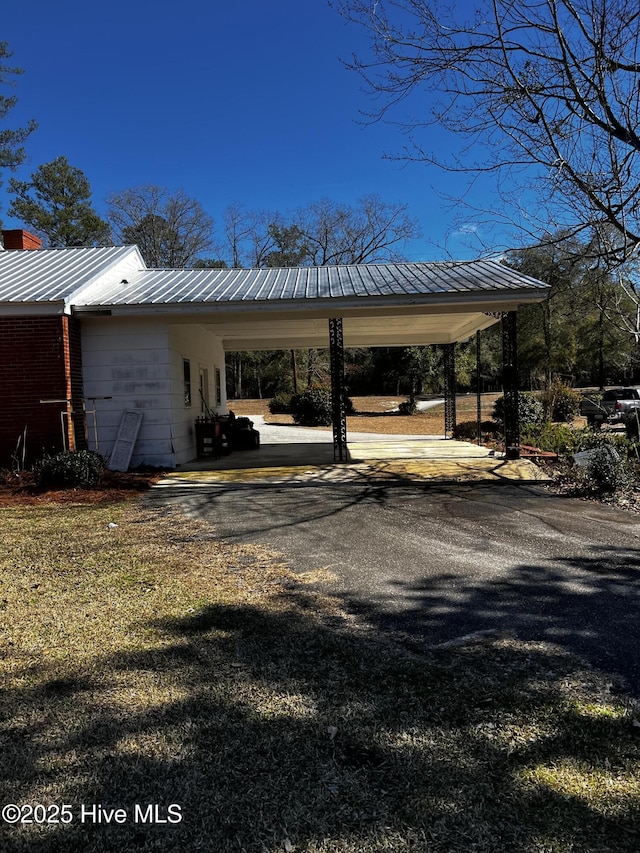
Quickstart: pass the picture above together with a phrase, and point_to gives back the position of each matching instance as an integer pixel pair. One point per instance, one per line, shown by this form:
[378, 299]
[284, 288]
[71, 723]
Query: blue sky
[243, 101]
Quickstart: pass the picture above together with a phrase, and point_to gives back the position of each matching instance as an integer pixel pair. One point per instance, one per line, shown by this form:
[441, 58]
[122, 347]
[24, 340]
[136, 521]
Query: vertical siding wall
[36, 356]
[138, 363]
[126, 366]
[204, 351]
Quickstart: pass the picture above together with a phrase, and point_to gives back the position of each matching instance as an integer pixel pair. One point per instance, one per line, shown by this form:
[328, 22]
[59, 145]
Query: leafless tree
[170, 228]
[248, 238]
[372, 230]
[320, 233]
[545, 94]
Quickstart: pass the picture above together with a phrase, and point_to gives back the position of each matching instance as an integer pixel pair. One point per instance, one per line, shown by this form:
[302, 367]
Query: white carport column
[338, 408]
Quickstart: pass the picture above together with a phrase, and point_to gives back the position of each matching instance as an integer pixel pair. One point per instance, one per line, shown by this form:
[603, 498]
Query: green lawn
[150, 664]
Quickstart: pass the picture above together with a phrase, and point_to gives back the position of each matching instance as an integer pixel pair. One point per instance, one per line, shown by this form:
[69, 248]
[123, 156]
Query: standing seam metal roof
[157, 287]
[70, 275]
[53, 275]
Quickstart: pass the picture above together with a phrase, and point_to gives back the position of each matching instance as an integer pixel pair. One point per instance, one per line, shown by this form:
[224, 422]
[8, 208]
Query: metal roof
[54, 275]
[175, 287]
[90, 278]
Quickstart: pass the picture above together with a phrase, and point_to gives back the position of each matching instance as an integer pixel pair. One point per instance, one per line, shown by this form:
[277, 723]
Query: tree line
[541, 94]
[173, 230]
[584, 333]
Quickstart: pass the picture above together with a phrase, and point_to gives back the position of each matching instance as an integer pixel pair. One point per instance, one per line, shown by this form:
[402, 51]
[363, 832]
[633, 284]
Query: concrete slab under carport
[295, 454]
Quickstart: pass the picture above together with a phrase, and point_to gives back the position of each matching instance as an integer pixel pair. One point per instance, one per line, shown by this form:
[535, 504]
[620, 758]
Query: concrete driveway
[437, 561]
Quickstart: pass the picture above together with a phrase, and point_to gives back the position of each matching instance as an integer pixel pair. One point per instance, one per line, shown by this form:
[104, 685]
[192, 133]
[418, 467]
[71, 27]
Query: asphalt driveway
[439, 561]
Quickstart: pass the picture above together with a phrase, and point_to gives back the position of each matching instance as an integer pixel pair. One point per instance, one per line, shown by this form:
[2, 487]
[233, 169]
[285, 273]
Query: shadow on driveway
[437, 562]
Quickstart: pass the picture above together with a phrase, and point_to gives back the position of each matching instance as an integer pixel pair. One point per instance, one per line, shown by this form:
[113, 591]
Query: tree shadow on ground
[587, 604]
[577, 593]
[289, 726]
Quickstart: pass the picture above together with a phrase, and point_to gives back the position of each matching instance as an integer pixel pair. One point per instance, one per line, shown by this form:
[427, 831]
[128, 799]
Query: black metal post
[478, 388]
[339, 417]
[510, 385]
[449, 353]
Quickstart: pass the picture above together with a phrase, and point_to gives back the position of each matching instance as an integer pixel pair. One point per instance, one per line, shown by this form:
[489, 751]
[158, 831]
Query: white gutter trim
[334, 306]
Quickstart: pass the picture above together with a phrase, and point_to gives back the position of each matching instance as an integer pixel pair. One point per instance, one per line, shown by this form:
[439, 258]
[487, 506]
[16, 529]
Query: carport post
[449, 354]
[510, 385]
[478, 388]
[339, 415]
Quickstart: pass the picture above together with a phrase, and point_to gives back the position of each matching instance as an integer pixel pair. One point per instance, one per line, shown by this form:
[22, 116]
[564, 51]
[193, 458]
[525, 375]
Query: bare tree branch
[170, 229]
[543, 93]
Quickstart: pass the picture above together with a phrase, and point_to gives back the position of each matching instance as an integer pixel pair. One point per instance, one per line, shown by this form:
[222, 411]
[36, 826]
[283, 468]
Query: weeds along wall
[40, 359]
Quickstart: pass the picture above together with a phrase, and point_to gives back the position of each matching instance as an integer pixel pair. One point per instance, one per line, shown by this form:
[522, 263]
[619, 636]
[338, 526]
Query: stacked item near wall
[221, 434]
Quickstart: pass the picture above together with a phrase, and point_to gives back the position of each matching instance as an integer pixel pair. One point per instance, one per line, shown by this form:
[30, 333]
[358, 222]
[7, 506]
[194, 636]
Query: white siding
[203, 351]
[137, 363]
[127, 360]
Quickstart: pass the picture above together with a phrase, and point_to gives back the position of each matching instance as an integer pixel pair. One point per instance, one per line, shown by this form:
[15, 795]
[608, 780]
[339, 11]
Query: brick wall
[39, 360]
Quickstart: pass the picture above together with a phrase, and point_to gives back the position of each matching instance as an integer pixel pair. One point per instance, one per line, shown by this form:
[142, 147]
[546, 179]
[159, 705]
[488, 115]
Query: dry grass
[374, 414]
[150, 663]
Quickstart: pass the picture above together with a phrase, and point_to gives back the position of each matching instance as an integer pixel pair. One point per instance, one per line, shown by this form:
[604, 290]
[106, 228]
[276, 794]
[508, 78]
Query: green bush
[312, 407]
[408, 407]
[529, 409]
[560, 402]
[70, 468]
[552, 437]
[631, 425]
[606, 470]
[562, 439]
[587, 439]
[468, 430]
[280, 404]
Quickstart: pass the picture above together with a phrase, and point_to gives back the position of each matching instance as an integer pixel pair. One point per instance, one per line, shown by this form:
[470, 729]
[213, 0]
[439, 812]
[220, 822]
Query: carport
[389, 304]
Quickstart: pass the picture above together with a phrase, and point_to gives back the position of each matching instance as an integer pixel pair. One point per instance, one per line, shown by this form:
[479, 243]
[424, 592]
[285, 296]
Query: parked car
[611, 407]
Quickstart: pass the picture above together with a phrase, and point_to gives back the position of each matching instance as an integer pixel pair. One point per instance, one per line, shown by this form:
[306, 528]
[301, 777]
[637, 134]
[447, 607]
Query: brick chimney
[18, 238]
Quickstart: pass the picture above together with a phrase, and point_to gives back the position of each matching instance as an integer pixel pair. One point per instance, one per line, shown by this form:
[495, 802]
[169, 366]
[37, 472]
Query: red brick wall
[39, 360]
[18, 238]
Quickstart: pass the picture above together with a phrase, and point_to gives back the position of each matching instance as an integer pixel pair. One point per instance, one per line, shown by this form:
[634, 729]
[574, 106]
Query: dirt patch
[377, 415]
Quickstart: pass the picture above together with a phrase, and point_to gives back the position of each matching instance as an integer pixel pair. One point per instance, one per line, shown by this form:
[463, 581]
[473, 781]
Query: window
[186, 366]
[218, 388]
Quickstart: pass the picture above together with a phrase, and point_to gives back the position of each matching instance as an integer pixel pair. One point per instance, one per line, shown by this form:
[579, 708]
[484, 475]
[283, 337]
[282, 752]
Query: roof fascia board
[508, 300]
[51, 308]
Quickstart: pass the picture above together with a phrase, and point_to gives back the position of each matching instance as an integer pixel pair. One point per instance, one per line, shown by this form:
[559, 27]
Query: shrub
[562, 439]
[631, 425]
[552, 437]
[587, 439]
[70, 468]
[606, 470]
[468, 430]
[560, 402]
[312, 407]
[408, 407]
[529, 409]
[280, 404]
